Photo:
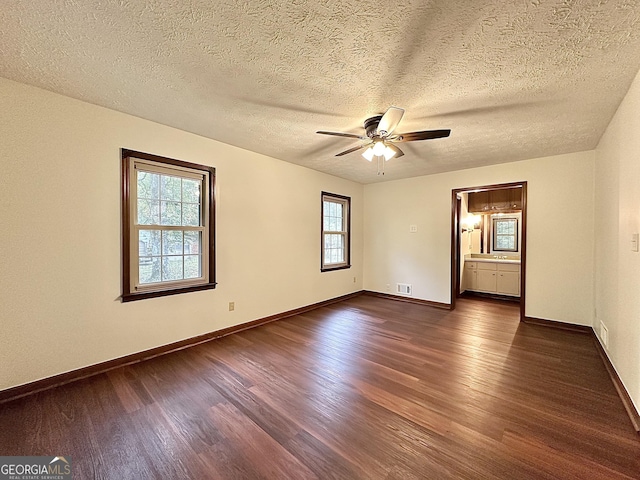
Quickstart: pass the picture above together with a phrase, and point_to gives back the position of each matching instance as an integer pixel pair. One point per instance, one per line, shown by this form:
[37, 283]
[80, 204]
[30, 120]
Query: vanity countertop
[491, 259]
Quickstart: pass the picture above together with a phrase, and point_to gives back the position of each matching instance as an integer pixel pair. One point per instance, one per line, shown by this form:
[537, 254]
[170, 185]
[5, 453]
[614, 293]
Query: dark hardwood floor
[367, 388]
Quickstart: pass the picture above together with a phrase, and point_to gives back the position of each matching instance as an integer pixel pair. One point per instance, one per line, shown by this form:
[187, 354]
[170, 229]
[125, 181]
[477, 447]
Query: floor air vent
[403, 288]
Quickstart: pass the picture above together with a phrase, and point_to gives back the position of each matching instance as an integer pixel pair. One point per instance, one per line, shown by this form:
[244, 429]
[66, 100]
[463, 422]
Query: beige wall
[617, 216]
[559, 243]
[60, 237]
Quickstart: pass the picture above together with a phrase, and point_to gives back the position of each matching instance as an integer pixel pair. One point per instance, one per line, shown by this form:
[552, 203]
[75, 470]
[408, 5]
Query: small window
[167, 225]
[336, 231]
[505, 234]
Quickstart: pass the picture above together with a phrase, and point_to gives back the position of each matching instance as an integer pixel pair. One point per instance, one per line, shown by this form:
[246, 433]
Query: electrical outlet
[388, 287]
[354, 279]
[232, 306]
[413, 228]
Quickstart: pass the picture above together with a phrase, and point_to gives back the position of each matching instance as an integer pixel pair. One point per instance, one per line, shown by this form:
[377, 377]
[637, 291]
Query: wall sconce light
[471, 223]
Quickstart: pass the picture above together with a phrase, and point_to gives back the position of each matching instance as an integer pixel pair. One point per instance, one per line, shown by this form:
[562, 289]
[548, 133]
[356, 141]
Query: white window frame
[134, 162]
[345, 231]
[494, 233]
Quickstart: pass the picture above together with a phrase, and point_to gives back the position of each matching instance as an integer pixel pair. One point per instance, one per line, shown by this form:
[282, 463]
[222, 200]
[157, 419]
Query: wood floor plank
[368, 388]
[560, 464]
[264, 453]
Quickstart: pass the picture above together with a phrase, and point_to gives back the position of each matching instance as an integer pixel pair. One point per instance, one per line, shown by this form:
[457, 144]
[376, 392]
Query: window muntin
[335, 231]
[169, 225]
[505, 234]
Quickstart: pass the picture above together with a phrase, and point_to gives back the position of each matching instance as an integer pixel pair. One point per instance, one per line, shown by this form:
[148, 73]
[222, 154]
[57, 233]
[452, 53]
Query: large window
[167, 225]
[336, 241]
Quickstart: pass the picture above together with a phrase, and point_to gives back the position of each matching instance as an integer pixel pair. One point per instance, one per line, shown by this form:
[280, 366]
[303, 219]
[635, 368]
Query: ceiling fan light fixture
[389, 153]
[380, 140]
[378, 148]
[368, 154]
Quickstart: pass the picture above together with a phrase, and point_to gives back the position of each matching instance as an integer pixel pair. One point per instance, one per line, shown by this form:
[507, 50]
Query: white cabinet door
[472, 279]
[470, 276]
[508, 283]
[487, 281]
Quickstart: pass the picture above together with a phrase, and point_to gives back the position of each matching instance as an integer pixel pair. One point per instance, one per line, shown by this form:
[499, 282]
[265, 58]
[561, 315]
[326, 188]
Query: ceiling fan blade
[399, 152]
[340, 134]
[425, 135]
[390, 121]
[351, 150]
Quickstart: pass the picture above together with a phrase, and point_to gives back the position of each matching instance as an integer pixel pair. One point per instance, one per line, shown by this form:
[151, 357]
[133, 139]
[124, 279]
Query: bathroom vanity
[492, 274]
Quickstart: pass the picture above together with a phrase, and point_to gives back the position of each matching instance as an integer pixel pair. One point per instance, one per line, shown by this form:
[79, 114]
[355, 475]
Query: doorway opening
[489, 242]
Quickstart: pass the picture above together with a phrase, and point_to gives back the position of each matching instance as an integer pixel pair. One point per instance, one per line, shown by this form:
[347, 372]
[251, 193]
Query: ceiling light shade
[379, 148]
[368, 154]
[388, 153]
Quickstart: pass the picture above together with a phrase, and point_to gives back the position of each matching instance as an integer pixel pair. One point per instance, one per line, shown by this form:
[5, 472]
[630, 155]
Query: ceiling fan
[380, 140]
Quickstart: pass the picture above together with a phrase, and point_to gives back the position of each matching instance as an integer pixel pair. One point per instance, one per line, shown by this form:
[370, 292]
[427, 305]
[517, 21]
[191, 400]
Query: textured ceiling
[511, 79]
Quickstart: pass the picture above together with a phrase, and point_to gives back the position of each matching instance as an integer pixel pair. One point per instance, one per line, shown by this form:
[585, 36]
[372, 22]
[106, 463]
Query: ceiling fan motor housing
[371, 125]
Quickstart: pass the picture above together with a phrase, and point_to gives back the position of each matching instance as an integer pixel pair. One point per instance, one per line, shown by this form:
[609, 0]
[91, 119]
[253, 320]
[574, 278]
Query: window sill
[329, 269]
[130, 297]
